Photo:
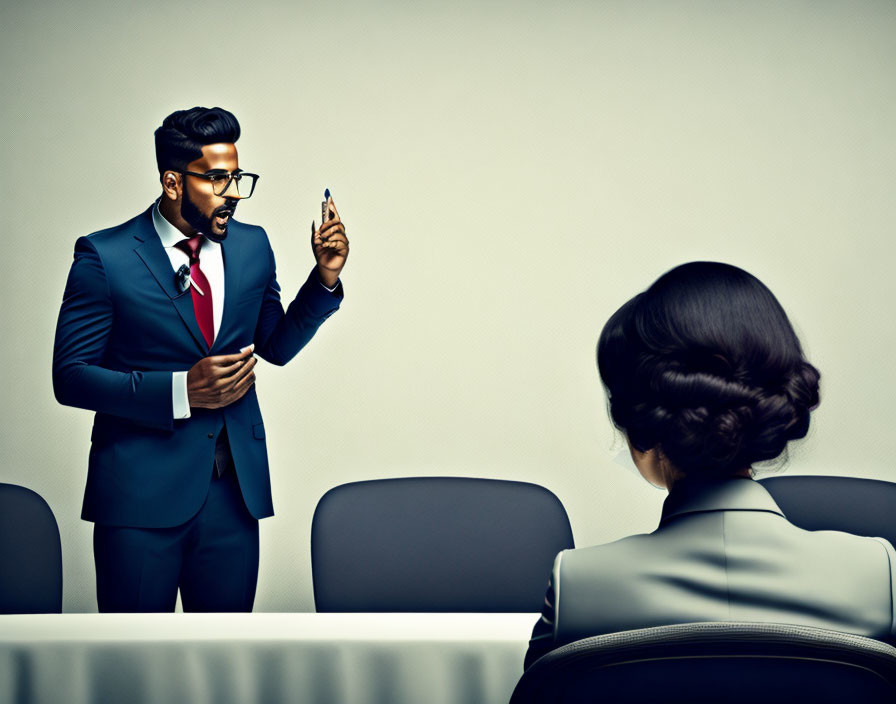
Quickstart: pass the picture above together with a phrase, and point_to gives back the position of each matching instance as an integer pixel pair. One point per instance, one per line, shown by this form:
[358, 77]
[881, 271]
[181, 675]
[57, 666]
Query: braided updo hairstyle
[705, 367]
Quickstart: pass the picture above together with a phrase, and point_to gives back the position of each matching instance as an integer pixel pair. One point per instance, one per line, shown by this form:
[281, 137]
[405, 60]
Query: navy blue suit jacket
[124, 327]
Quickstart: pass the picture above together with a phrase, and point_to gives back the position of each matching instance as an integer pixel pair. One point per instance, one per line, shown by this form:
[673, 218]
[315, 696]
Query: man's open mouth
[222, 217]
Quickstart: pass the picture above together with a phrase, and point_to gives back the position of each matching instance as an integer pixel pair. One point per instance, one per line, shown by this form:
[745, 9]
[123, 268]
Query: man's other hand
[215, 382]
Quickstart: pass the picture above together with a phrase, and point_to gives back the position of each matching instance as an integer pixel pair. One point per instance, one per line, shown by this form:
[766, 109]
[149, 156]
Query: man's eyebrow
[211, 172]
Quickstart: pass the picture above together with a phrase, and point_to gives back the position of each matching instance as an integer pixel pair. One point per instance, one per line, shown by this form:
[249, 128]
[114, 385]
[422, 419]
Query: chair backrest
[739, 663]
[850, 504]
[30, 554]
[436, 544]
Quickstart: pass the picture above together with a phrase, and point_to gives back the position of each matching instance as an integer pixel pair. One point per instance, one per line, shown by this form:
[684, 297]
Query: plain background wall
[509, 174]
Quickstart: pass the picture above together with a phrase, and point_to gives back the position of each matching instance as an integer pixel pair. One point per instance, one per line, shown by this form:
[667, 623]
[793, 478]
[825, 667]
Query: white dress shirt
[212, 264]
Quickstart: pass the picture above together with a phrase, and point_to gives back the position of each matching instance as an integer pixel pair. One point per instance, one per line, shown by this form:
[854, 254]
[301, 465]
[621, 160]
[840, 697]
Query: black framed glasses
[221, 180]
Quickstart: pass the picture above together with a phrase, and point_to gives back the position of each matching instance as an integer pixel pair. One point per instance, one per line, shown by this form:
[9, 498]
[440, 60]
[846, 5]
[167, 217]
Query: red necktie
[202, 302]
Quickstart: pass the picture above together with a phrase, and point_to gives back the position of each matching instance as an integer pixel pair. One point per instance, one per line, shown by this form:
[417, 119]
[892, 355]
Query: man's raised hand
[330, 247]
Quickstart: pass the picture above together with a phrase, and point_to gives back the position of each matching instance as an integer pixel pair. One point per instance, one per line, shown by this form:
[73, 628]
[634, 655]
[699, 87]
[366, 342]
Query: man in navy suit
[156, 333]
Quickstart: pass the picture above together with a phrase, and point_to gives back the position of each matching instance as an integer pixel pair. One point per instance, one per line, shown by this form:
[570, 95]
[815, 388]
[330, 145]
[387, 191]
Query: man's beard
[202, 224]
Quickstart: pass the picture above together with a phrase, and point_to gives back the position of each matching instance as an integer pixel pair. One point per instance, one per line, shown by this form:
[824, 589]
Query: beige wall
[509, 174]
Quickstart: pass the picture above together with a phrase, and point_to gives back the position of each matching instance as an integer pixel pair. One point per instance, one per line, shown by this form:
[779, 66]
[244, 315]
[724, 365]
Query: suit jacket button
[211, 435]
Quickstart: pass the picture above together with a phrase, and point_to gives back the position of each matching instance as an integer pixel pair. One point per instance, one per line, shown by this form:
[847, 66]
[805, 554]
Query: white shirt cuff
[331, 290]
[179, 398]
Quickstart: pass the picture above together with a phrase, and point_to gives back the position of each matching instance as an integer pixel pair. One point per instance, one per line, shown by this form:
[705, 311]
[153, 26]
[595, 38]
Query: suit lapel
[151, 251]
[232, 253]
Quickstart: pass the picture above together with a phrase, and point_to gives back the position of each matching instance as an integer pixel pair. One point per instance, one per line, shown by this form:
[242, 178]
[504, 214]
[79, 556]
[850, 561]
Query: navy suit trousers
[212, 558]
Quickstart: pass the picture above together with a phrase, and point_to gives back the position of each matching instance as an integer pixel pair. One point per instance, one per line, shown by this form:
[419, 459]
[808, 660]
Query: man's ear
[171, 184]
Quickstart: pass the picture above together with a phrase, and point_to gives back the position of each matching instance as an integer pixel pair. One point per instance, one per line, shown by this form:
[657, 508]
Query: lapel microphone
[182, 277]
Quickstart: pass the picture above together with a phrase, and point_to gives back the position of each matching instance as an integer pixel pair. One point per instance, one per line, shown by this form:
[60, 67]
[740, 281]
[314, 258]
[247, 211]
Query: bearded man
[160, 322]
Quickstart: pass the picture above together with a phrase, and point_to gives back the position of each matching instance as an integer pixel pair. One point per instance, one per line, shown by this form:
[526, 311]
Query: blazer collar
[735, 494]
[233, 255]
[152, 252]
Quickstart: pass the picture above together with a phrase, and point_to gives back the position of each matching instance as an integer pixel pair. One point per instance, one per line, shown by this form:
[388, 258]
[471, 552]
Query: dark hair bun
[706, 367]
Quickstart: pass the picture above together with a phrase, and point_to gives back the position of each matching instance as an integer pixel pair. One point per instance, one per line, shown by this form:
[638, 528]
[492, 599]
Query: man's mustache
[222, 210]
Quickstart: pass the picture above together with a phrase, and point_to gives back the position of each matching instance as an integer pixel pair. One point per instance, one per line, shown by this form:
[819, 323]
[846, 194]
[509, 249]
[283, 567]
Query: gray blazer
[723, 552]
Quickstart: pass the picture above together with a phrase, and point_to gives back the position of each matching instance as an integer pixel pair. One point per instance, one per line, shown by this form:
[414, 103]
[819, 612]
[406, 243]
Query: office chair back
[735, 663]
[425, 544]
[850, 504]
[30, 554]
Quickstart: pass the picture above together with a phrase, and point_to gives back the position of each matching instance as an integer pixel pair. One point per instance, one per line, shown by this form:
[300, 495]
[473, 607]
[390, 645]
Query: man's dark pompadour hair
[183, 134]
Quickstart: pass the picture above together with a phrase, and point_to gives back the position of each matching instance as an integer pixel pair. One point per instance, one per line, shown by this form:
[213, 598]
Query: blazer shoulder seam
[87, 240]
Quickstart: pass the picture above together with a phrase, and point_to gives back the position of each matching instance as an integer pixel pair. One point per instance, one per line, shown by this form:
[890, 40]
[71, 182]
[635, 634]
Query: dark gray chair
[431, 544]
[853, 505]
[30, 554]
[735, 663]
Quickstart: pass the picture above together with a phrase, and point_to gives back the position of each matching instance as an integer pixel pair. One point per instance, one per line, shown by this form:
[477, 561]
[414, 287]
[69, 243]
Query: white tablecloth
[264, 657]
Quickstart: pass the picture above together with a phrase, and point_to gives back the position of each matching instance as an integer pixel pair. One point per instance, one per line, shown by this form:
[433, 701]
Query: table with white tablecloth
[262, 657]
